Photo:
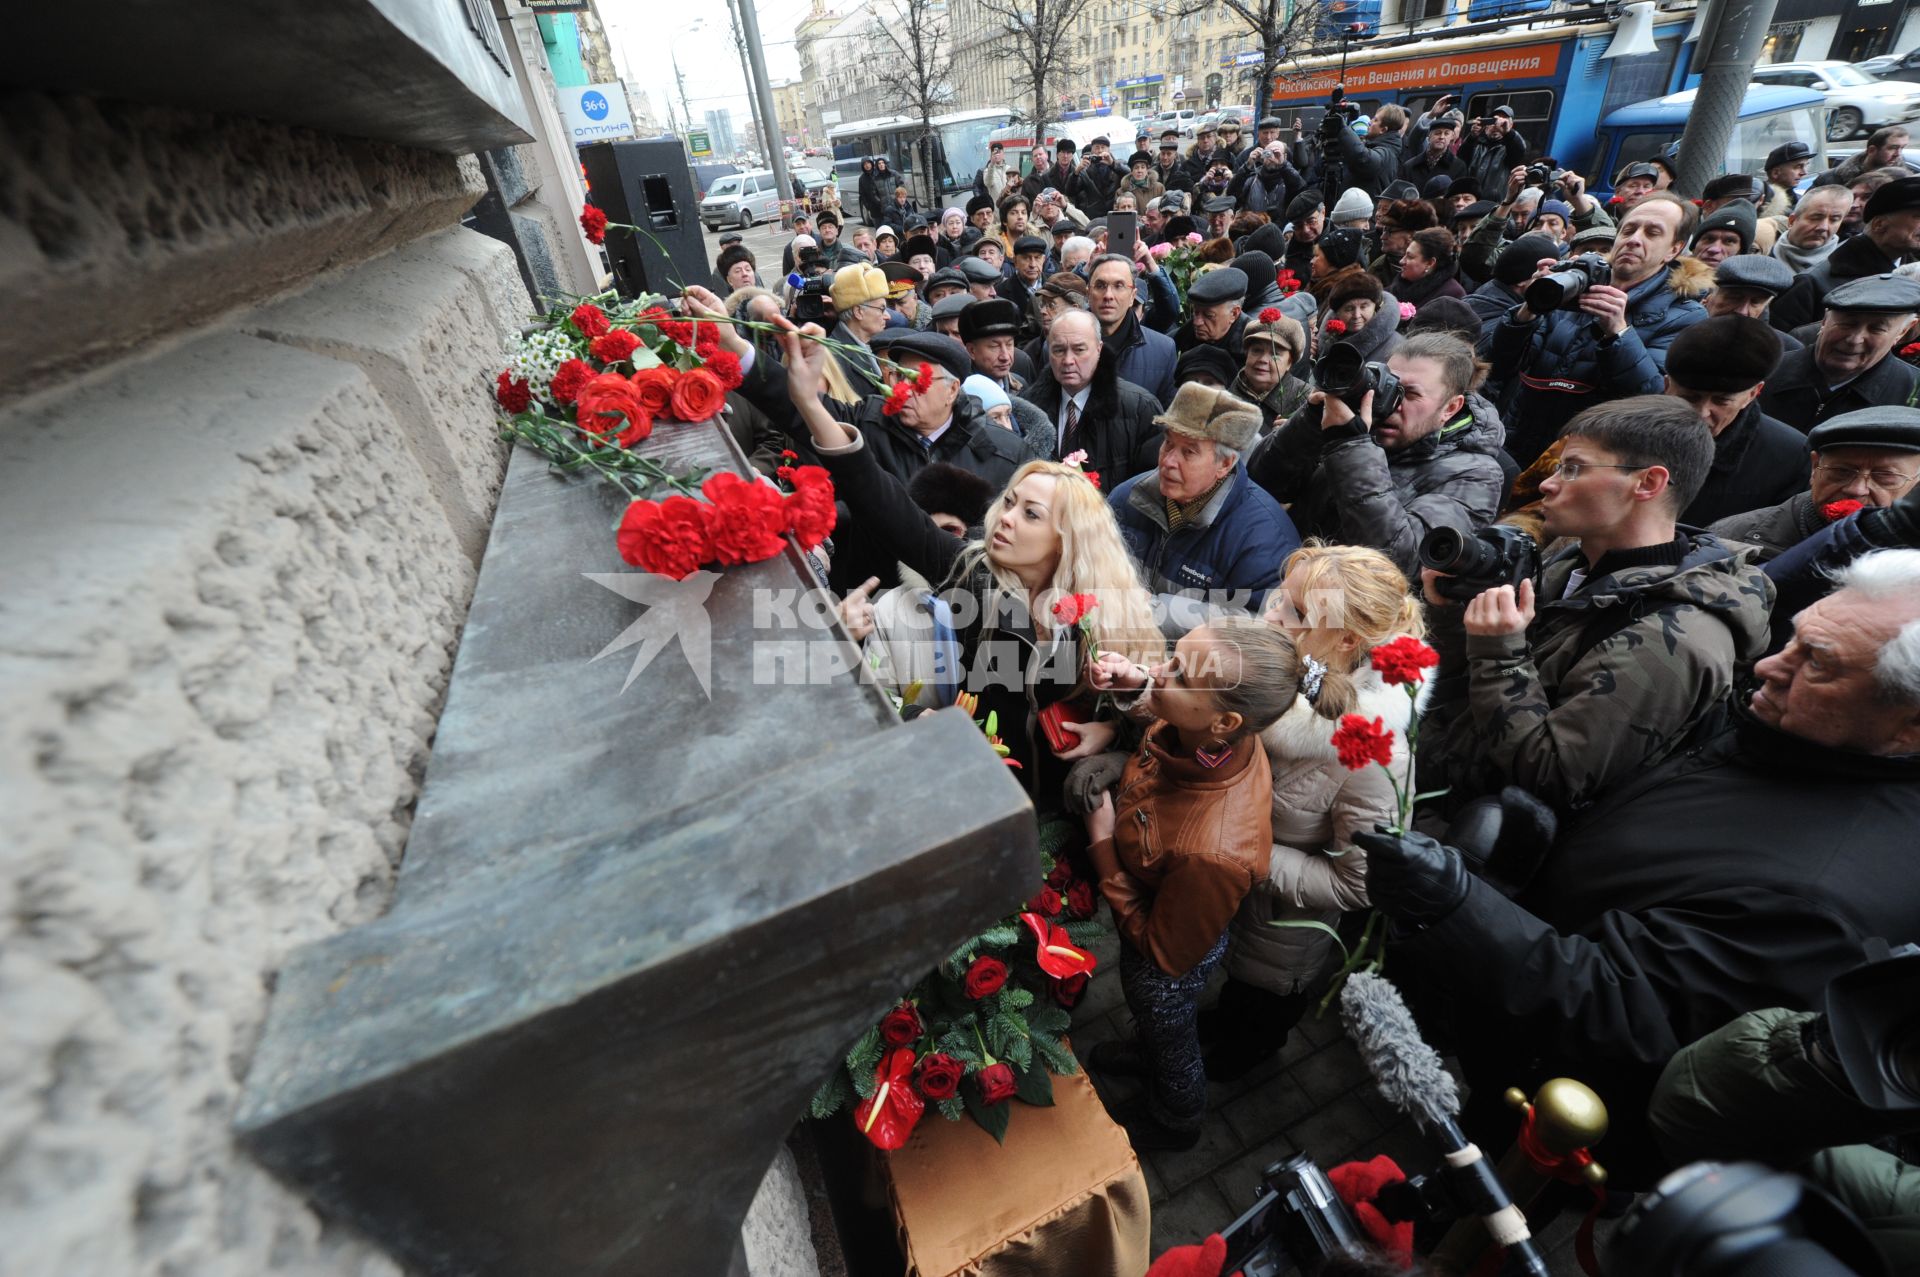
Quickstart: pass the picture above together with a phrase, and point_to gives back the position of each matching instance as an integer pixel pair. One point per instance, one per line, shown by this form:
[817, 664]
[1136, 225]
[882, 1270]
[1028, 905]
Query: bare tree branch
[1040, 35]
[915, 70]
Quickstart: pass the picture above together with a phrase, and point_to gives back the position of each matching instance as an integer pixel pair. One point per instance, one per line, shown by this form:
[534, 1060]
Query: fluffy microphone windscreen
[1407, 1070]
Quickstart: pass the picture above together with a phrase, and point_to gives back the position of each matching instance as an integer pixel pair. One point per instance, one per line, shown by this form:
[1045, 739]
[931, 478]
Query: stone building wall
[247, 466]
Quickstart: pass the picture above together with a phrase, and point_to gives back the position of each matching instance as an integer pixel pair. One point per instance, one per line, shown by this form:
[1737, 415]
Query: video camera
[1298, 1221]
[1340, 113]
[1342, 373]
[1497, 554]
[1560, 289]
[810, 302]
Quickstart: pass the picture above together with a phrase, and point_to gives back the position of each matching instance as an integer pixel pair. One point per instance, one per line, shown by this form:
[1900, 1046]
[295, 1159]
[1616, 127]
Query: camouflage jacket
[1582, 701]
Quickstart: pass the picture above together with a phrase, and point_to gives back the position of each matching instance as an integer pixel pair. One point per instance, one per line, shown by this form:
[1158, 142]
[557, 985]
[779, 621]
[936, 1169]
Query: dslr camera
[1342, 373]
[1561, 289]
[1494, 555]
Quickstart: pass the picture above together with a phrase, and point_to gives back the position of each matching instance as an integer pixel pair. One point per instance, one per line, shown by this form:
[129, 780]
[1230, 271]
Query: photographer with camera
[1429, 147]
[1386, 452]
[1595, 328]
[1492, 148]
[1488, 240]
[1635, 634]
[1371, 165]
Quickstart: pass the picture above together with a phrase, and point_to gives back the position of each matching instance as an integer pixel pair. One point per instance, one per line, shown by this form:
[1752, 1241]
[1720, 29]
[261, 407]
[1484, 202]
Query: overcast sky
[647, 35]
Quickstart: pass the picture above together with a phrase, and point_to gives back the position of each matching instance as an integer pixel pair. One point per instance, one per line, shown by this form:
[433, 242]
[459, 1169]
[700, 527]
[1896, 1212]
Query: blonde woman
[1046, 538]
[1337, 603]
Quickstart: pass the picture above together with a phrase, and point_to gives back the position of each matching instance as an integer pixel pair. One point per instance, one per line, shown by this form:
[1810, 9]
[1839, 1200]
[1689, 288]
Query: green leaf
[1056, 1054]
[952, 1109]
[962, 958]
[997, 937]
[1016, 997]
[834, 1094]
[863, 1059]
[1086, 933]
[1049, 1019]
[642, 357]
[992, 1118]
[1312, 924]
[993, 722]
[1035, 1087]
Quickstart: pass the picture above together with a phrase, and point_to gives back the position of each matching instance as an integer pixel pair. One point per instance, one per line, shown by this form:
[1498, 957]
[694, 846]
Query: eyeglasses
[1571, 470]
[1882, 480]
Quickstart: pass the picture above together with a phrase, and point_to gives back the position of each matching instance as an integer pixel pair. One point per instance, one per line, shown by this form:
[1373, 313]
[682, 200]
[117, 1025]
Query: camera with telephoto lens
[1560, 289]
[810, 303]
[1343, 373]
[1474, 562]
[1741, 1219]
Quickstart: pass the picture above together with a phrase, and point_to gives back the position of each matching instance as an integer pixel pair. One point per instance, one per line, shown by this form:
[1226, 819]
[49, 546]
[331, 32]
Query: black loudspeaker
[647, 183]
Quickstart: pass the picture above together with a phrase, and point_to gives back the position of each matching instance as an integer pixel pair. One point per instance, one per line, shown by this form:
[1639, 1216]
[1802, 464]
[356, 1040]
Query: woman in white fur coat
[1337, 602]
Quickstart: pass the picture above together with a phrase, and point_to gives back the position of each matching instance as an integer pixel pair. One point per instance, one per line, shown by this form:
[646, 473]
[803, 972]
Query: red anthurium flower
[1402, 660]
[1058, 956]
[888, 1116]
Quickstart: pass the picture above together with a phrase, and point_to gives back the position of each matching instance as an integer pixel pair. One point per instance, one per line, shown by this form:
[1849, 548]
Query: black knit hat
[1446, 315]
[944, 488]
[1342, 245]
[1205, 358]
[1266, 238]
[1725, 352]
[1521, 258]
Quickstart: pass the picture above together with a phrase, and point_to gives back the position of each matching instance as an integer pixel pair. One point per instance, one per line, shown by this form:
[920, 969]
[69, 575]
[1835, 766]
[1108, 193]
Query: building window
[1782, 42]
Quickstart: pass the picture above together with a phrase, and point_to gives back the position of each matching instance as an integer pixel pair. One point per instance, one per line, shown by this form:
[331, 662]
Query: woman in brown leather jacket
[1179, 843]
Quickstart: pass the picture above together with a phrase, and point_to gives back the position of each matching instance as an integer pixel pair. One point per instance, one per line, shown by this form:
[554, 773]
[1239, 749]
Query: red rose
[747, 520]
[593, 224]
[569, 378]
[1061, 876]
[607, 397]
[1336, 325]
[809, 508]
[1068, 990]
[666, 537]
[1359, 742]
[514, 395]
[1046, 900]
[1270, 315]
[940, 1076]
[590, 320]
[698, 395]
[611, 348]
[996, 1083]
[901, 1026]
[1401, 661]
[1834, 511]
[725, 365]
[655, 386]
[1081, 902]
[1074, 608]
[985, 977]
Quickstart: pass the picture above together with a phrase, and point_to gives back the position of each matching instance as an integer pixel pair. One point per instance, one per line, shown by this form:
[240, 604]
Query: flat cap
[1503, 109]
[1204, 412]
[1284, 331]
[1064, 227]
[1724, 353]
[1029, 244]
[1897, 196]
[934, 348]
[1594, 237]
[989, 317]
[1207, 360]
[1880, 294]
[1220, 204]
[1436, 186]
[1884, 426]
[1788, 153]
[950, 306]
[1734, 186]
[1477, 209]
[1751, 270]
[1228, 284]
[977, 271]
[946, 277]
[1642, 169]
[1399, 190]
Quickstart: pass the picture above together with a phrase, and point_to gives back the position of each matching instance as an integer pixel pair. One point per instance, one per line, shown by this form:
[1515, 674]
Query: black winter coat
[1372, 165]
[1804, 302]
[1743, 873]
[1116, 427]
[1797, 392]
[1757, 462]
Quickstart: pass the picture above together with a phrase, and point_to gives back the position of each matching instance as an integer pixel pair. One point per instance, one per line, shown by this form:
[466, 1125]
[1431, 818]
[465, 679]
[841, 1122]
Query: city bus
[960, 148]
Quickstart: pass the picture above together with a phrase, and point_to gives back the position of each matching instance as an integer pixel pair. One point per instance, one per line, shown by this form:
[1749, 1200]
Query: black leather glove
[1412, 878]
[1898, 525]
[1504, 838]
[1091, 777]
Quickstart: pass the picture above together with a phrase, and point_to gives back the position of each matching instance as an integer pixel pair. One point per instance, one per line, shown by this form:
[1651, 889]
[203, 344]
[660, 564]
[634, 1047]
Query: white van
[741, 199]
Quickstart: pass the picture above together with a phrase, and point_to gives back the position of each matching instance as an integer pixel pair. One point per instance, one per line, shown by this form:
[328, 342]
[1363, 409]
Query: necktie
[1073, 427]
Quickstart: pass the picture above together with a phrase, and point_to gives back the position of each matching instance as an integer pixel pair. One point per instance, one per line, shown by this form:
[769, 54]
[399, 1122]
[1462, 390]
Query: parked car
[706, 174]
[1893, 66]
[741, 199]
[812, 178]
[1181, 119]
[1856, 102]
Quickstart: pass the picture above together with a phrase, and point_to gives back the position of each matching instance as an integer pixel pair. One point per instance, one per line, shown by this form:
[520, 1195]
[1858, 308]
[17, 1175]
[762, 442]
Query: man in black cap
[1871, 456]
[1725, 232]
[1219, 211]
[1746, 285]
[1217, 299]
[1029, 269]
[1892, 236]
[920, 252]
[1266, 133]
[1307, 216]
[980, 211]
[1062, 175]
[1492, 149]
[1167, 165]
[1786, 165]
[945, 283]
[1430, 145]
[1516, 264]
[1728, 187]
[945, 313]
[1208, 365]
[1268, 182]
[1718, 367]
[1102, 177]
[1851, 363]
[989, 330]
[1635, 182]
[983, 280]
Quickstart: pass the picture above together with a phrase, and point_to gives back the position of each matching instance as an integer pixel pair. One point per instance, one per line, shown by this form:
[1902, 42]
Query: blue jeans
[1165, 1008]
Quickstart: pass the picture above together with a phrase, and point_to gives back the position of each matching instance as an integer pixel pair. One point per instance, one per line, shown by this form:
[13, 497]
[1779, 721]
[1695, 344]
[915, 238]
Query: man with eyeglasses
[1868, 458]
[1620, 646]
[860, 306]
[1851, 363]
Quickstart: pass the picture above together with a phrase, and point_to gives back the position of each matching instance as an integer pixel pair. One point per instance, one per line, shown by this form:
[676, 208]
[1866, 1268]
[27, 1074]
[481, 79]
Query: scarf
[1420, 291]
[1799, 260]
[1182, 513]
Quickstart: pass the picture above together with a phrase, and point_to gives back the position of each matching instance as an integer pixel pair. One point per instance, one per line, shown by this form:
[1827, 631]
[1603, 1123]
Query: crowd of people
[1674, 727]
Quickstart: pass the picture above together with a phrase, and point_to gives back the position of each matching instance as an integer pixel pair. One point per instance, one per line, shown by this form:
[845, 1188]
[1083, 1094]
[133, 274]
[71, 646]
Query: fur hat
[860, 282]
[1342, 246]
[944, 488]
[1409, 215]
[1723, 353]
[1352, 206]
[1204, 412]
[1360, 286]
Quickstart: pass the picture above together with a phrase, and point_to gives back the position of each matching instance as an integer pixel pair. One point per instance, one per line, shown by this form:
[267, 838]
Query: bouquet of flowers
[980, 1030]
[1180, 260]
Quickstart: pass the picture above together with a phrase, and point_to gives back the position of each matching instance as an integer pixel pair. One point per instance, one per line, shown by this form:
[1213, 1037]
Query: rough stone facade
[237, 562]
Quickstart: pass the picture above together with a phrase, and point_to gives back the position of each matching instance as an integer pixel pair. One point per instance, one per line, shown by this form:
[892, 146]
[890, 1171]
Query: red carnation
[593, 224]
[1910, 350]
[706, 340]
[901, 1026]
[1834, 511]
[1068, 990]
[590, 320]
[809, 508]
[1046, 900]
[1271, 315]
[984, 977]
[697, 395]
[747, 519]
[677, 331]
[1093, 477]
[1081, 902]
[655, 387]
[725, 365]
[923, 380]
[788, 454]
[784, 474]
[940, 1076]
[612, 347]
[996, 1083]
[897, 398]
[1401, 661]
[1336, 325]
[514, 395]
[666, 537]
[609, 396]
[1359, 742]
[1074, 608]
[568, 380]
